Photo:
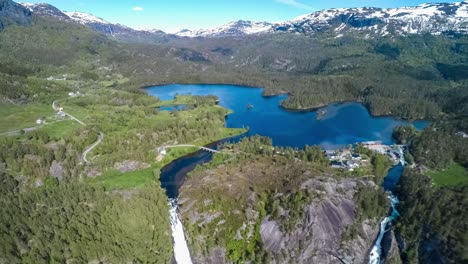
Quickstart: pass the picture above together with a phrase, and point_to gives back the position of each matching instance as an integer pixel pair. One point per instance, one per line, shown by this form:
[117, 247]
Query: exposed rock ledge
[318, 238]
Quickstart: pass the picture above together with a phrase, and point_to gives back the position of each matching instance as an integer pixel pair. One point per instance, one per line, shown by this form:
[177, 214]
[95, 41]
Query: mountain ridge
[369, 22]
[381, 21]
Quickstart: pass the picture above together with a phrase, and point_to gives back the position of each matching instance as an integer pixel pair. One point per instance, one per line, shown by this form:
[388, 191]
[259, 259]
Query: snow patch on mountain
[426, 18]
[236, 28]
[85, 18]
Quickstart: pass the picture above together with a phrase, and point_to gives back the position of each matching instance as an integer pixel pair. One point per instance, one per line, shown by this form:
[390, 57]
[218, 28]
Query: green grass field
[14, 117]
[58, 129]
[116, 180]
[453, 175]
[179, 100]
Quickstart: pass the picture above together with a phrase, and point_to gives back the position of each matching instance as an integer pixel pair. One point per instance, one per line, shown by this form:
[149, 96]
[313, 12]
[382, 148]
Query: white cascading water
[181, 251]
[375, 256]
[376, 252]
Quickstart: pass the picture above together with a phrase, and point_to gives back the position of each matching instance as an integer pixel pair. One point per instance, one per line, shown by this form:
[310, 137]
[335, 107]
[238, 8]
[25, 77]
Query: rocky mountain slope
[12, 13]
[232, 29]
[113, 30]
[425, 18]
[368, 22]
[268, 208]
[372, 22]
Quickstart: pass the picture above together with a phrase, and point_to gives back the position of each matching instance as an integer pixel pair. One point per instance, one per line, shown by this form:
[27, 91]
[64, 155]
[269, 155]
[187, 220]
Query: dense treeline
[403, 134]
[432, 216]
[403, 76]
[412, 77]
[75, 222]
[33, 155]
[440, 145]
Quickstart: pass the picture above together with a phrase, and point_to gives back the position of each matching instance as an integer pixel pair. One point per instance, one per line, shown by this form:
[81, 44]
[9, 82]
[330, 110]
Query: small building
[351, 165]
[331, 154]
[61, 114]
[40, 120]
[162, 151]
[72, 94]
[337, 164]
[356, 156]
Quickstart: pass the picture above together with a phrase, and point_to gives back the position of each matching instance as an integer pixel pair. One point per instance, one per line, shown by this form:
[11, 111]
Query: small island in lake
[321, 114]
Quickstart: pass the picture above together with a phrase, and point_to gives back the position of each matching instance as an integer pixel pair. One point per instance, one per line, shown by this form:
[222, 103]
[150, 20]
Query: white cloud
[296, 4]
[137, 8]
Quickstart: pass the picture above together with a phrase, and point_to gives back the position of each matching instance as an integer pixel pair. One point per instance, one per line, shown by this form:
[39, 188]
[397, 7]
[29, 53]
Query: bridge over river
[187, 145]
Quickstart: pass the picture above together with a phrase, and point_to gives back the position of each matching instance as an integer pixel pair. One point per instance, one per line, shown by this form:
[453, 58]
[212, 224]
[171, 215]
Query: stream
[172, 177]
[390, 182]
[340, 125]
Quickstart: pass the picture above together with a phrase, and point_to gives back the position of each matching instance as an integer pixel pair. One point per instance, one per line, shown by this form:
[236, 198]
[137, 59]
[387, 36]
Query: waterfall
[376, 252]
[181, 251]
[375, 256]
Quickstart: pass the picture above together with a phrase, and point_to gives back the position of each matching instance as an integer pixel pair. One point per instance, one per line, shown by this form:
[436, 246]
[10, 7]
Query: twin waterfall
[181, 251]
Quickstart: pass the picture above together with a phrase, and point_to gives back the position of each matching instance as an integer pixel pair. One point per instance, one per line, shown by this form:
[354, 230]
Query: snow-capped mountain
[232, 29]
[100, 25]
[425, 18]
[369, 21]
[366, 22]
[46, 10]
[88, 20]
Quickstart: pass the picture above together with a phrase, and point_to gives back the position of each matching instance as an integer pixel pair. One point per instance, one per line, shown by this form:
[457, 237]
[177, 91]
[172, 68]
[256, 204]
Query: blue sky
[173, 15]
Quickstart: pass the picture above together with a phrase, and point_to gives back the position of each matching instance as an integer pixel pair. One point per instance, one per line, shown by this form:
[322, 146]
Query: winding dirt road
[90, 148]
[83, 158]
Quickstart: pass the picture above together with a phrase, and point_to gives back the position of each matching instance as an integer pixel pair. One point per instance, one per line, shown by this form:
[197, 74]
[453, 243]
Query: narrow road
[18, 131]
[83, 158]
[90, 148]
[54, 106]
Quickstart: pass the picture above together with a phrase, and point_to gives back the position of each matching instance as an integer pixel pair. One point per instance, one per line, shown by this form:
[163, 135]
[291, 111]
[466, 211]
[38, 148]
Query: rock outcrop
[12, 13]
[228, 209]
[319, 235]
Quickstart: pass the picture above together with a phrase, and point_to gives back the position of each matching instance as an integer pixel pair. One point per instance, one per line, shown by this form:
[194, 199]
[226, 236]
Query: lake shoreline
[287, 108]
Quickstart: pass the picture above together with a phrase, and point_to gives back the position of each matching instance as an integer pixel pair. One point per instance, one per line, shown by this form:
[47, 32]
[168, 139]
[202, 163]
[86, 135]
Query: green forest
[265, 181]
[58, 209]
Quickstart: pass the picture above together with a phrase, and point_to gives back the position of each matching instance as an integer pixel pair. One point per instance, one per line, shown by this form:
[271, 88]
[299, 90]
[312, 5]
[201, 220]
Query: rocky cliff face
[12, 13]
[268, 212]
[319, 235]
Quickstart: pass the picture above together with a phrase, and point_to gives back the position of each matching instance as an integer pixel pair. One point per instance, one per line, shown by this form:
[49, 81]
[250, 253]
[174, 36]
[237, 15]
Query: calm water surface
[343, 124]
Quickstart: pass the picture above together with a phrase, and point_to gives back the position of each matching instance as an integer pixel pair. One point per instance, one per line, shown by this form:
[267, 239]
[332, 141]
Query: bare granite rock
[319, 235]
[56, 170]
[130, 165]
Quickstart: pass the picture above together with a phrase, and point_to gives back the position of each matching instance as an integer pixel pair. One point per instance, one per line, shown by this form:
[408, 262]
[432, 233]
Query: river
[390, 183]
[342, 124]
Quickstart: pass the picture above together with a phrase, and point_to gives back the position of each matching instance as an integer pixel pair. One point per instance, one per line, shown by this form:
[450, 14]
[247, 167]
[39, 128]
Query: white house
[351, 165]
[331, 154]
[40, 121]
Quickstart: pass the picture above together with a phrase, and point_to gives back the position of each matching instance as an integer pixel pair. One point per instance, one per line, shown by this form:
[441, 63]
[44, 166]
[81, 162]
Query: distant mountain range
[367, 22]
[118, 31]
[425, 18]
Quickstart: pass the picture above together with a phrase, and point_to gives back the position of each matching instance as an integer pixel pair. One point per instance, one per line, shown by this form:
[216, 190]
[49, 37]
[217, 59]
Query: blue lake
[342, 124]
